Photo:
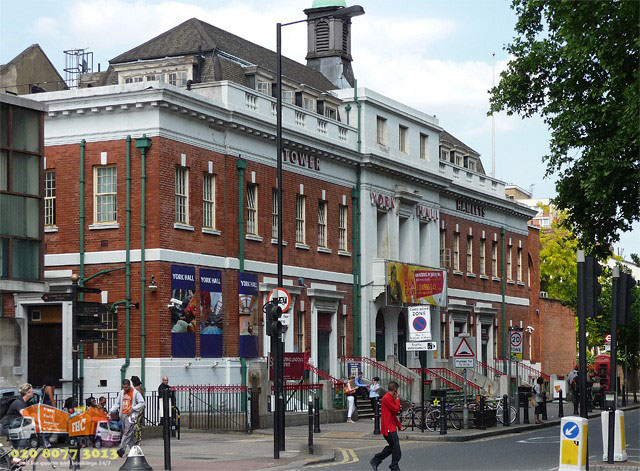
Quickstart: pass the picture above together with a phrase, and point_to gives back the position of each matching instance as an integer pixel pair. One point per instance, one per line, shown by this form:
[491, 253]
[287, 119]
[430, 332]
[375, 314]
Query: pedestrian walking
[128, 405]
[389, 428]
[350, 392]
[137, 384]
[373, 393]
[539, 398]
[164, 385]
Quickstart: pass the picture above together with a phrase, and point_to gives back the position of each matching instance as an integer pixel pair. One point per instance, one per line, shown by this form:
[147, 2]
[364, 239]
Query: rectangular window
[343, 336]
[444, 155]
[519, 265]
[300, 219]
[110, 347]
[154, 77]
[133, 79]
[309, 104]
[456, 251]
[470, 254]
[274, 214]
[50, 198]
[252, 209]
[209, 201]
[342, 228]
[300, 332]
[264, 87]
[483, 259]
[287, 96]
[459, 159]
[4, 257]
[182, 195]
[178, 79]
[472, 165]
[105, 194]
[444, 263]
[381, 130]
[494, 259]
[510, 251]
[424, 146]
[403, 131]
[330, 112]
[322, 224]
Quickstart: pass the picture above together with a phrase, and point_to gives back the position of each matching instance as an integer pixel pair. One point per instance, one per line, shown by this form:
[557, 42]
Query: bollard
[316, 415]
[166, 426]
[624, 394]
[573, 444]
[525, 420]
[443, 413]
[482, 425]
[560, 405]
[376, 417]
[310, 425]
[505, 411]
[613, 440]
[544, 405]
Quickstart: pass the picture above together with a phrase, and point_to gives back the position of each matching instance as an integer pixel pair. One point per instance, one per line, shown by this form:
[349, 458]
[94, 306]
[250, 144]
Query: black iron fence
[207, 407]
[297, 395]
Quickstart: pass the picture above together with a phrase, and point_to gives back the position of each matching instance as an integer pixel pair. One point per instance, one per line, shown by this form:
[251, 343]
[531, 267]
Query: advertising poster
[184, 311]
[414, 284]
[248, 314]
[210, 313]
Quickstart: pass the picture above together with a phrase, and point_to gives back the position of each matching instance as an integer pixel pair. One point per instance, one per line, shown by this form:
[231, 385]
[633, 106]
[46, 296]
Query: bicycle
[412, 416]
[433, 419]
[498, 405]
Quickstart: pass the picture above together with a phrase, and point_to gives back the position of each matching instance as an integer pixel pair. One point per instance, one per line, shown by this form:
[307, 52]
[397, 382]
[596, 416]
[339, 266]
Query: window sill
[98, 227]
[471, 275]
[511, 282]
[210, 231]
[459, 273]
[495, 278]
[342, 253]
[302, 246]
[324, 250]
[275, 242]
[50, 229]
[253, 237]
[484, 277]
[183, 227]
[520, 283]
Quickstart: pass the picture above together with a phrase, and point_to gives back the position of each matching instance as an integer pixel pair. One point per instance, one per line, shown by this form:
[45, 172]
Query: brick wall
[559, 338]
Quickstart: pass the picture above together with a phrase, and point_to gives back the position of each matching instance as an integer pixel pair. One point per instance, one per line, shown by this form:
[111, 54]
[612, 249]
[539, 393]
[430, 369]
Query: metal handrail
[435, 375]
[380, 366]
[488, 367]
[323, 374]
[459, 377]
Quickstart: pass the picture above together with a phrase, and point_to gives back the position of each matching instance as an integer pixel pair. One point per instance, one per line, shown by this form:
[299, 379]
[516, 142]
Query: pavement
[332, 446]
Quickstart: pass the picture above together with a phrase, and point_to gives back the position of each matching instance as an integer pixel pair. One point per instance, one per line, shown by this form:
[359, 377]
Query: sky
[434, 55]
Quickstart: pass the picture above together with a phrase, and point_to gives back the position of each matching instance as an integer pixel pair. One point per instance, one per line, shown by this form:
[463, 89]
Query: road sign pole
[465, 411]
[423, 358]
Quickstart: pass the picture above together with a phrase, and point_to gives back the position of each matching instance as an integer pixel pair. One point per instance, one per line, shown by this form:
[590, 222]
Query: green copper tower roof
[328, 3]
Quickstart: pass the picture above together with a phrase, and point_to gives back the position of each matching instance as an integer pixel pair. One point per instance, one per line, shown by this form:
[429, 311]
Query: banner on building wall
[184, 311]
[248, 314]
[414, 284]
[211, 313]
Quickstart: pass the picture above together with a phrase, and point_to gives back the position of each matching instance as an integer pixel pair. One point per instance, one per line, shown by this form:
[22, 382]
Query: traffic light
[592, 272]
[273, 311]
[621, 299]
[88, 322]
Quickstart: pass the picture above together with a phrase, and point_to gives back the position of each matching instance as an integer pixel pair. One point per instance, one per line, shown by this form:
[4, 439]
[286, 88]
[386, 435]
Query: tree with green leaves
[575, 63]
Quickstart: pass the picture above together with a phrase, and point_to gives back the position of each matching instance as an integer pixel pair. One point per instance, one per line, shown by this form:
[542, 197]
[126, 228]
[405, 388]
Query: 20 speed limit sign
[516, 342]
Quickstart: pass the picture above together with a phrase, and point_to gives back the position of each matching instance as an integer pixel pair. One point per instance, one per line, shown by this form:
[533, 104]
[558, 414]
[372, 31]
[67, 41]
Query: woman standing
[539, 398]
[137, 431]
[373, 393]
[350, 392]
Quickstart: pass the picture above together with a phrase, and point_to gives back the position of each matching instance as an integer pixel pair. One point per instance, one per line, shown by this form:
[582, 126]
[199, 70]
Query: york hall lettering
[301, 159]
[470, 208]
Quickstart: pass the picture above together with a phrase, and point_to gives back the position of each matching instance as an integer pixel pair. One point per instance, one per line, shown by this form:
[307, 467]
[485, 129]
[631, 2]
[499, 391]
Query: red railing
[455, 377]
[371, 368]
[529, 370]
[209, 388]
[484, 366]
[379, 366]
[324, 375]
[441, 378]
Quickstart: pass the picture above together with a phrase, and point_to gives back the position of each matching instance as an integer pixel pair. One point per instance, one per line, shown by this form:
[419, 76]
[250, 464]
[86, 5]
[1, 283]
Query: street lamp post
[277, 346]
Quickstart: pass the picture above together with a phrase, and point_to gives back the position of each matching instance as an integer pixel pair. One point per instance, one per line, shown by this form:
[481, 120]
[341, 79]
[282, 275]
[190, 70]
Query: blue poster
[184, 311]
[211, 313]
[248, 314]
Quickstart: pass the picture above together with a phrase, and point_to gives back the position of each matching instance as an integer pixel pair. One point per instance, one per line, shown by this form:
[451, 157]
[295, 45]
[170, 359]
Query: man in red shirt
[389, 428]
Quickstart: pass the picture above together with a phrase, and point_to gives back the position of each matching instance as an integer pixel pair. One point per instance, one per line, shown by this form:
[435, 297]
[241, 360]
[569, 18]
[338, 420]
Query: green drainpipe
[504, 312]
[127, 361]
[144, 143]
[83, 144]
[355, 243]
[241, 165]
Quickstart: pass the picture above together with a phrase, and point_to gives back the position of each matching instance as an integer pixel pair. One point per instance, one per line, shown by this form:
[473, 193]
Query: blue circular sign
[419, 324]
[570, 430]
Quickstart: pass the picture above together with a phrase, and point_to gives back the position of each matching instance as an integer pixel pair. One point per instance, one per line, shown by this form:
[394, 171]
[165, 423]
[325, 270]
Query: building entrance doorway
[380, 343]
[45, 345]
[324, 336]
[402, 339]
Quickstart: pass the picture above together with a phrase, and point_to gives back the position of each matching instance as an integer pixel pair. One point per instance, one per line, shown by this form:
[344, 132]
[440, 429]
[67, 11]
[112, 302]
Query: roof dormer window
[263, 87]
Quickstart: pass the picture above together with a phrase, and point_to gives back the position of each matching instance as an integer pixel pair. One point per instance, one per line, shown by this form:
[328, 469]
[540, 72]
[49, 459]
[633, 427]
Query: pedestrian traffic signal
[273, 313]
[621, 299]
[592, 272]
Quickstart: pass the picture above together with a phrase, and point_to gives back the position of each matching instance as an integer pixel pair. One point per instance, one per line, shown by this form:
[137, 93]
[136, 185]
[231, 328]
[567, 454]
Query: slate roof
[37, 47]
[447, 138]
[185, 39]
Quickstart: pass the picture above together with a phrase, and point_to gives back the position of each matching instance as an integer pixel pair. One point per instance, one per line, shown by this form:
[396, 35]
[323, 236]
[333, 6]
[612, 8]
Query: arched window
[322, 36]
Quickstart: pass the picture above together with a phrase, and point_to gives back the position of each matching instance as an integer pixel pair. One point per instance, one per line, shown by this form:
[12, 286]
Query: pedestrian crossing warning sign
[464, 350]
